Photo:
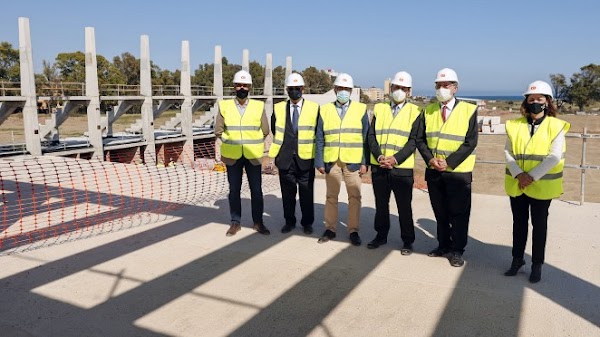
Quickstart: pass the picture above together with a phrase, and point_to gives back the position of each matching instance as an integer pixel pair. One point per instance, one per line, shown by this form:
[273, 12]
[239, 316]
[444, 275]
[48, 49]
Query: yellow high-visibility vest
[343, 138]
[393, 133]
[530, 151]
[243, 134]
[444, 138]
[307, 125]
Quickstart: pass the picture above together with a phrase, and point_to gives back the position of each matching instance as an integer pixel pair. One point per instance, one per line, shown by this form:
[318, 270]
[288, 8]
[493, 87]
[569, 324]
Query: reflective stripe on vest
[530, 151]
[392, 133]
[343, 138]
[307, 125]
[242, 135]
[444, 138]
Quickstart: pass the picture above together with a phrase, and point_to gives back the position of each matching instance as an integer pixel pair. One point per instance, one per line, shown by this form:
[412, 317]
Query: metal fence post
[583, 163]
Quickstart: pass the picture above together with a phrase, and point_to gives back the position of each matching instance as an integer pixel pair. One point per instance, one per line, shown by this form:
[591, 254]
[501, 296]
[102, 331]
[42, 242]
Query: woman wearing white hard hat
[535, 157]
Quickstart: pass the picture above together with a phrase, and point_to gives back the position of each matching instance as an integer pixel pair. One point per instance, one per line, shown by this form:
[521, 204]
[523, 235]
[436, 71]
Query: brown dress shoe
[234, 228]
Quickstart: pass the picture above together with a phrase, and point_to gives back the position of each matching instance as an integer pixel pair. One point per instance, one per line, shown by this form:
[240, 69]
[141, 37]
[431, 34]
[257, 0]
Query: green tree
[257, 71]
[278, 77]
[9, 63]
[559, 83]
[129, 66]
[316, 81]
[585, 86]
[71, 66]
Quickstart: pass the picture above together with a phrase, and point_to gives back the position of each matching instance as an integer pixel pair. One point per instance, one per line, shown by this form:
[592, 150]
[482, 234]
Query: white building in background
[386, 87]
[374, 94]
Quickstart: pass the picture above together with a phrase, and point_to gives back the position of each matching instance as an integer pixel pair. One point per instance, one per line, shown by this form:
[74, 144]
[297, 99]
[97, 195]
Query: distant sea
[496, 98]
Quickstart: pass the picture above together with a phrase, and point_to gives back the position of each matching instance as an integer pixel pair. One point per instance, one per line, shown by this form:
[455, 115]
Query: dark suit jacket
[457, 157]
[402, 155]
[288, 152]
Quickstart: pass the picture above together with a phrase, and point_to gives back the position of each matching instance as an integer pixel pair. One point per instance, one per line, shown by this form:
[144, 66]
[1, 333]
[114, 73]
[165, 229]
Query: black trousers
[520, 207]
[234, 176]
[295, 180]
[384, 182]
[450, 196]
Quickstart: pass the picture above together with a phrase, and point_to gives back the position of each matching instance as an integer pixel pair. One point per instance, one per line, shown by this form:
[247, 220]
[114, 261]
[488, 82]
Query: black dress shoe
[456, 260]
[514, 267]
[355, 239]
[328, 235]
[536, 273]
[376, 243]
[406, 249]
[287, 228]
[308, 229]
[438, 252]
[260, 228]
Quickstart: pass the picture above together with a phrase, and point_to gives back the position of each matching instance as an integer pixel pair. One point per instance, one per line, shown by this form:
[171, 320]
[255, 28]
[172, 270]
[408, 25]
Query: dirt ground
[488, 178]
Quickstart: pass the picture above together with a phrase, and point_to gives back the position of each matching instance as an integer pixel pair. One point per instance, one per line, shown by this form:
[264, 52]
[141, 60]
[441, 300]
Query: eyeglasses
[444, 85]
[397, 87]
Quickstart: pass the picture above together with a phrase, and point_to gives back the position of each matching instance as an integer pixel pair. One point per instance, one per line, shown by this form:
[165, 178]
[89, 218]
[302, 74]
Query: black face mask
[241, 93]
[535, 108]
[294, 93]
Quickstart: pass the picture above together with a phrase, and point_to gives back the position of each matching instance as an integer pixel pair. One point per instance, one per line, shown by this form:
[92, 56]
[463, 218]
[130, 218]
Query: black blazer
[288, 152]
[455, 158]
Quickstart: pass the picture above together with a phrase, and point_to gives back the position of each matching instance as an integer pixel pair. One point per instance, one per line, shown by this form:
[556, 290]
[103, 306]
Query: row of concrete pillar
[92, 97]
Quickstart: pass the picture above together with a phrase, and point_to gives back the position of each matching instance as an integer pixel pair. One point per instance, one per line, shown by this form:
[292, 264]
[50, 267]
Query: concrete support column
[93, 93]
[187, 155]
[288, 66]
[246, 60]
[218, 89]
[268, 91]
[30, 116]
[147, 105]
[218, 74]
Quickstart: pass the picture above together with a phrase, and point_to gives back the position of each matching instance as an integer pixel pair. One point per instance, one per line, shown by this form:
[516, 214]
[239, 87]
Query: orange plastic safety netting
[51, 199]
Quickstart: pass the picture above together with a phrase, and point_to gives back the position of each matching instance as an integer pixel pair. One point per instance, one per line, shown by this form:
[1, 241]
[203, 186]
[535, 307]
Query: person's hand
[442, 164]
[435, 164]
[321, 170]
[524, 180]
[363, 169]
[388, 162]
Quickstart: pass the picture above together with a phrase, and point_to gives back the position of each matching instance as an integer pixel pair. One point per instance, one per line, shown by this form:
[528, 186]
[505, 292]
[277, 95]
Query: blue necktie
[295, 119]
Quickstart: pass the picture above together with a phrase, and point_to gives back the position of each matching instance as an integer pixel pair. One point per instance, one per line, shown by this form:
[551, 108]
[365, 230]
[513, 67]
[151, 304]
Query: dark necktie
[295, 118]
[444, 117]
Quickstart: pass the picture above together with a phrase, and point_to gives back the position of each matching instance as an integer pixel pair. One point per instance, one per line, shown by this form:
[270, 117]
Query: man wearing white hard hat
[241, 125]
[392, 141]
[293, 124]
[535, 158]
[341, 154]
[447, 139]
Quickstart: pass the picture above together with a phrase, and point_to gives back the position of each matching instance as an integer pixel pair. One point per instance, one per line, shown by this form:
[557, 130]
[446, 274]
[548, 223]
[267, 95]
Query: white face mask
[443, 94]
[399, 96]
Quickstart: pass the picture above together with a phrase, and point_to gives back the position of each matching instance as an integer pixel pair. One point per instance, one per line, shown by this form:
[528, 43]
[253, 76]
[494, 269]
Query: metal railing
[65, 89]
[583, 166]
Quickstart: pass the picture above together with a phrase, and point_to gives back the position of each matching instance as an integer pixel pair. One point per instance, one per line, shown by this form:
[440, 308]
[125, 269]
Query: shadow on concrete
[483, 301]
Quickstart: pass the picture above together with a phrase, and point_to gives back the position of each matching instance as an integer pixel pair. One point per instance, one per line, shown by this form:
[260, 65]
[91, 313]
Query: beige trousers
[352, 180]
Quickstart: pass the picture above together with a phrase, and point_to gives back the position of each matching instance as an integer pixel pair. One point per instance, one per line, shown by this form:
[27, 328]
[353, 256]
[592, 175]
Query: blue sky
[496, 47]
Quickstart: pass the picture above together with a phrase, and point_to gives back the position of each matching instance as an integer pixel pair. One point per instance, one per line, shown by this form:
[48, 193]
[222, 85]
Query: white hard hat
[344, 80]
[294, 80]
[242, 77]
[539, 87]
[446, 75]
[403, 79]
